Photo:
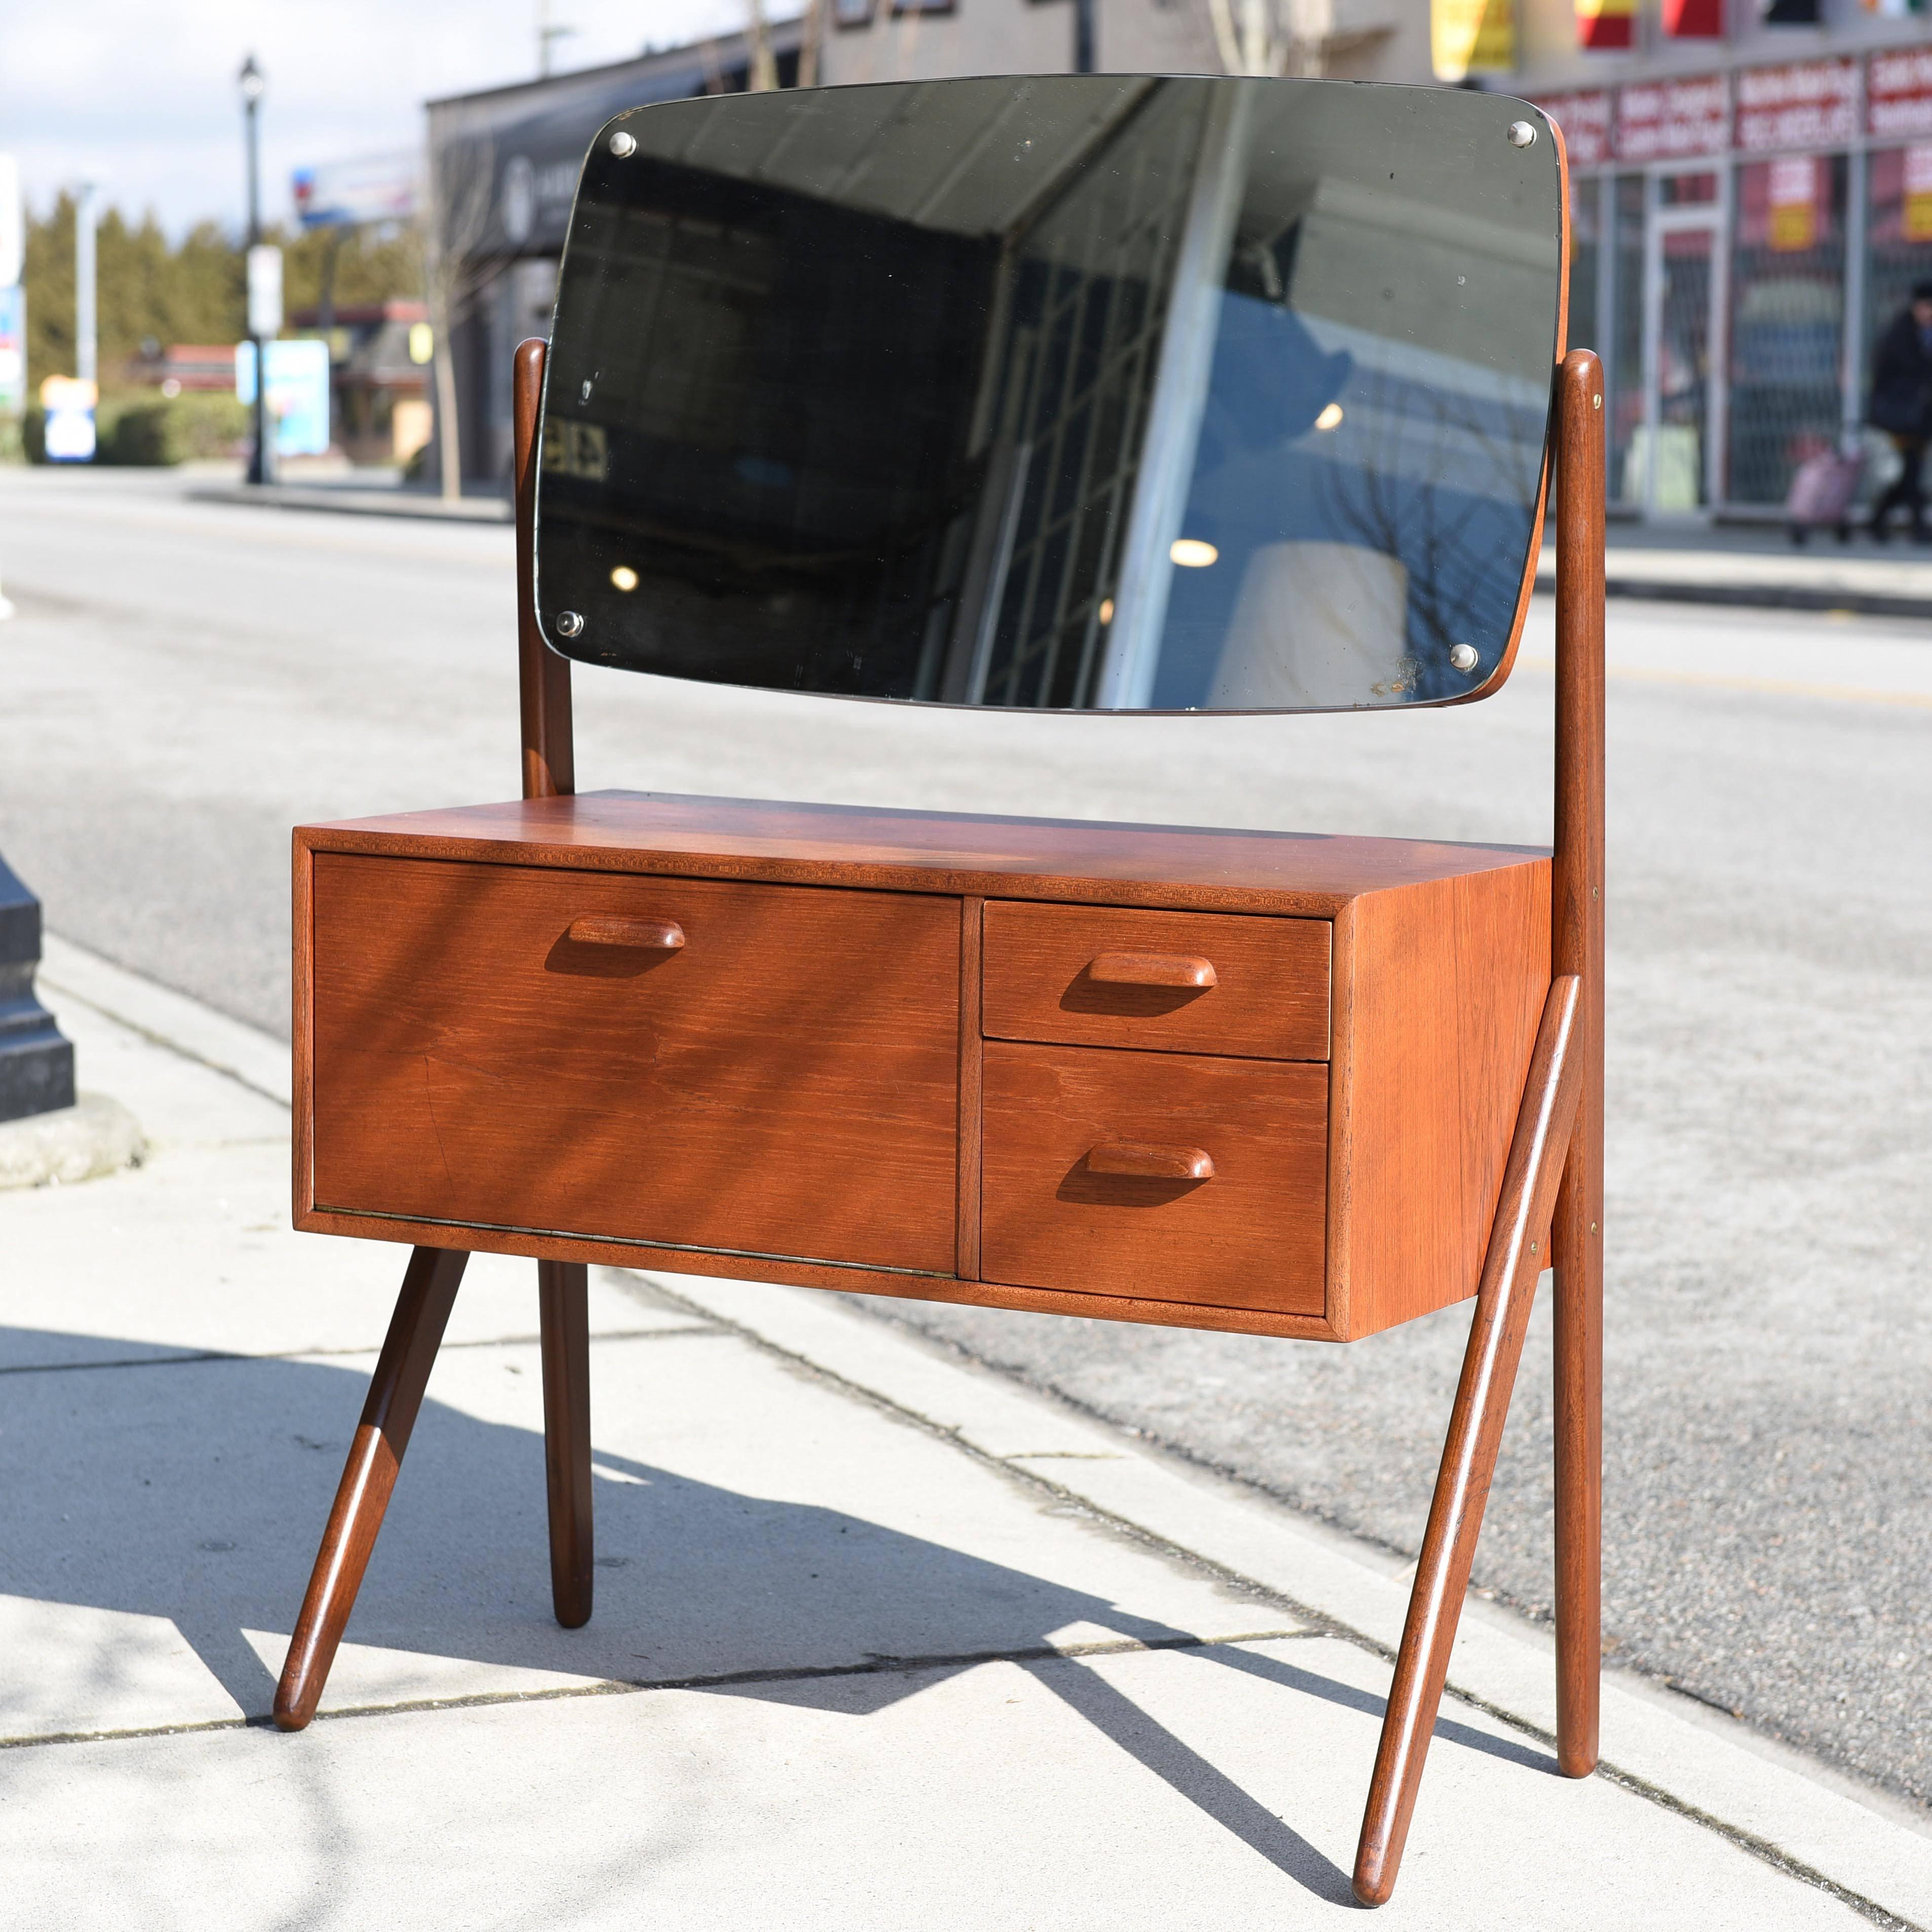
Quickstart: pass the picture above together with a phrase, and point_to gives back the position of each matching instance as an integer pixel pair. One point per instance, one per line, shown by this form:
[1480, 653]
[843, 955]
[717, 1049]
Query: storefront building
[1742, 236]
[503, 164]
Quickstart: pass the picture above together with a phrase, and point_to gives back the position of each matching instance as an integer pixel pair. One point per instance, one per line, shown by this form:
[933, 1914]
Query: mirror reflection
[1085, 391]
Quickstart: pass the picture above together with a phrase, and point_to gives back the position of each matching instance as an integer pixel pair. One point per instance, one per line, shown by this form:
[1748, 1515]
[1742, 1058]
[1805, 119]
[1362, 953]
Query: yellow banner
[1917, 211]
[1468, 37]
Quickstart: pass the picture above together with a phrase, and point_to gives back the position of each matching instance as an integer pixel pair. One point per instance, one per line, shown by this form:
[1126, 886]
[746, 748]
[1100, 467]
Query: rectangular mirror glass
[1088, 392]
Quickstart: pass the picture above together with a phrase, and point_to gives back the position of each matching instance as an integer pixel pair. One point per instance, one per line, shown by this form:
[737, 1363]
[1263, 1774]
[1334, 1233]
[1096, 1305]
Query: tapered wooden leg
[395, 1394]
[1516, 1256]
[563, 1296]
[1575, 1236]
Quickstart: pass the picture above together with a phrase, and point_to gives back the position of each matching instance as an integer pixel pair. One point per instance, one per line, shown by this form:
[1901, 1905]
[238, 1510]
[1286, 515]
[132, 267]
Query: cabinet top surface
[920, 851]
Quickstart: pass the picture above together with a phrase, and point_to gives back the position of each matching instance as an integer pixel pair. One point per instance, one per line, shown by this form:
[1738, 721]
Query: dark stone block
[36, 1064]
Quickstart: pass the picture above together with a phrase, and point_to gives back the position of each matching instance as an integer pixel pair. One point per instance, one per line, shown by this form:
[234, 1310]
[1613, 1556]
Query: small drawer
[1168, 1176]
[1175, 981]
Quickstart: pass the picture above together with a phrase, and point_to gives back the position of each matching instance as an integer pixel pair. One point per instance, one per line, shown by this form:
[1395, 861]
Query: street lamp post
[254, 83]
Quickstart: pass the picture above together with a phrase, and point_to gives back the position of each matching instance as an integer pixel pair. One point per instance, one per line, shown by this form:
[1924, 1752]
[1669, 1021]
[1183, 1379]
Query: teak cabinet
[1293, 1086]
[1234, 1079]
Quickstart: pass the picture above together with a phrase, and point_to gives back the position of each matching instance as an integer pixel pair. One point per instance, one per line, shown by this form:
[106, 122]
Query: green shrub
[148, 429]
[144, 430]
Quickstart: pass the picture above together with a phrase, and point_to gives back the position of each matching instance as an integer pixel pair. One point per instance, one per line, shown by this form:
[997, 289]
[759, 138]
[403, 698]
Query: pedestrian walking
[1901, 406]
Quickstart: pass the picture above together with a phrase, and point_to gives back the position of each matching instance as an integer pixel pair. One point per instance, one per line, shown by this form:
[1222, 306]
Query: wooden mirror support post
[1550, 1214]
[1313, 1053]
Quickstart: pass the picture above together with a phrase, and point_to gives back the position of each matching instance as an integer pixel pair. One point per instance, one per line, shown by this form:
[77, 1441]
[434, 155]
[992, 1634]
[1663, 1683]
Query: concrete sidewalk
[881, 1639]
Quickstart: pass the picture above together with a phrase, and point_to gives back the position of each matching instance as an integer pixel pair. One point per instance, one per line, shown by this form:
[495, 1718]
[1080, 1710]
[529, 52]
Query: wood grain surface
[1516, 1253]
[1077, 861]
[376, 1453]
[899, 1285]
[1249, 1236]
[971, 978]
[1439, 989]
[1576, 947]
[785, 1083]
[1267, 998]
[543, 677]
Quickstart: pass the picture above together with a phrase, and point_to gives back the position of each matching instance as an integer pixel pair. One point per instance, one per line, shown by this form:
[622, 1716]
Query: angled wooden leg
[563, 1299]
[395, 1394]
[1516, 1257]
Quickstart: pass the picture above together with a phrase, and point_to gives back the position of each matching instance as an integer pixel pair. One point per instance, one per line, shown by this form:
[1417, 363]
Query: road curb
[1767, 1801]
[175, 1021]
[354, 502]
[1756, 596]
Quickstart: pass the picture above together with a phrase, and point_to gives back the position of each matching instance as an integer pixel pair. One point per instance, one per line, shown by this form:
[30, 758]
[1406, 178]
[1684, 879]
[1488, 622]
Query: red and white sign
[1663, 120]
[1585, 119]
[1808, 104]
[1898, 92]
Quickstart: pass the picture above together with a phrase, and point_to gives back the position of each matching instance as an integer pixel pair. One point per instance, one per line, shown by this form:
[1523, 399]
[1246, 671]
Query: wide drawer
[1057, 1211]
[784, 1082]
[1220, 983]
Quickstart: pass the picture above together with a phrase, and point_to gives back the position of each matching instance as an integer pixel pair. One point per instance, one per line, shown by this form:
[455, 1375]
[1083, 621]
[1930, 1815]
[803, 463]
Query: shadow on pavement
[195, 1490]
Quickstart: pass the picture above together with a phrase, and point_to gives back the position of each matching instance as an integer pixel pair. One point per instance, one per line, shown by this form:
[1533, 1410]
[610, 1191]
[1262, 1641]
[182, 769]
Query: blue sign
[346, 194]
[13, 350]
[298, 392]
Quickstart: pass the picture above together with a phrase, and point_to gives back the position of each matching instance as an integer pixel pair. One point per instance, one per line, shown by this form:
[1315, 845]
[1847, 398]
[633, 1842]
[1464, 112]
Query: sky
[140, 95]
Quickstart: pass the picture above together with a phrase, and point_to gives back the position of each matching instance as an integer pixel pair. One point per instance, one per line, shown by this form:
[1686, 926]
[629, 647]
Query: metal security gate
[1674, 465]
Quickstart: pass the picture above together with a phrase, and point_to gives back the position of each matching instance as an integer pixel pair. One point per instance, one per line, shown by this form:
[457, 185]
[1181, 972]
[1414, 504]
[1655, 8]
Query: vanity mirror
[1114, 393]
[1107, 392]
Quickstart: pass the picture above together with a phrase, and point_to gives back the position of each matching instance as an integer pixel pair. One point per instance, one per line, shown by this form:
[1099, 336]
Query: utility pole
[254, 84]
[763, 77]
[548, 37]
[1083, 36]
[86, 334]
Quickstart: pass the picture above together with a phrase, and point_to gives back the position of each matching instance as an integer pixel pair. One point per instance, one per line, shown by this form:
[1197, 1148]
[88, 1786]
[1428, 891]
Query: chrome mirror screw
[1463, 657]
[1521, 135]
[569, 624]
[625, 145]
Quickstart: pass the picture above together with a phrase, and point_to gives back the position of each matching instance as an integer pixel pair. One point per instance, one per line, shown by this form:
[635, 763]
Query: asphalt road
[184, 682]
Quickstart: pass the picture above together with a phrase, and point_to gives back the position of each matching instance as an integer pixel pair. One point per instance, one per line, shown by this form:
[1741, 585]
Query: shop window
[852, 13]
[1787, 321]
[1898, 243]
[1586, 226]
[921, 6]
[1687, 190]
[1626, 356]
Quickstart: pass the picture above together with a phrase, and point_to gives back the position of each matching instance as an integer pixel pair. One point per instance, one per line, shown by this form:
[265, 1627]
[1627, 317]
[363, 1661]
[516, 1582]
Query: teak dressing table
[1307, 1086]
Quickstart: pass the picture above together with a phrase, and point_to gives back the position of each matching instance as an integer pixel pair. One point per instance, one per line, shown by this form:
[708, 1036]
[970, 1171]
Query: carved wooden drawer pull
[1151, 969]
[652, 935]
[1150, 1161]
